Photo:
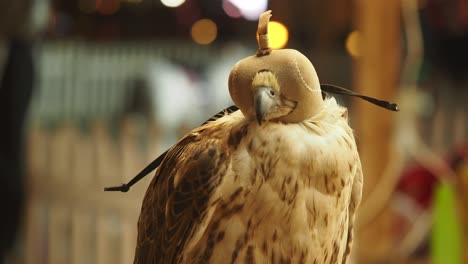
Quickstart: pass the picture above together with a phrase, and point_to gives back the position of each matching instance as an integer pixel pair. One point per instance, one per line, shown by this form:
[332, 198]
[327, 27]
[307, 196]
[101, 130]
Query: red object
[418, 183]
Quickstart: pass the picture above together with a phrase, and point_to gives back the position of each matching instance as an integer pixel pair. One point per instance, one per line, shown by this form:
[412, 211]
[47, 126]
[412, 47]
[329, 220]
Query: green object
[446, 240]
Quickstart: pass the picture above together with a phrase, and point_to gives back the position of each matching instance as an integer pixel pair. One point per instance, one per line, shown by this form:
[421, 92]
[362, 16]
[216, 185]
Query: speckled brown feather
[176, 200]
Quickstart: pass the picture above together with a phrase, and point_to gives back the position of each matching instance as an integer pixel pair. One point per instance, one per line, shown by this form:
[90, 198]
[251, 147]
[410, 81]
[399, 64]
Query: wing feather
[177, 198]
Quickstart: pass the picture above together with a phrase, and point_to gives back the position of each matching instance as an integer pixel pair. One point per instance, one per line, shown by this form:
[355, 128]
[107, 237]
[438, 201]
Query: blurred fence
[81, 80]
[71, 156]
[69, 219]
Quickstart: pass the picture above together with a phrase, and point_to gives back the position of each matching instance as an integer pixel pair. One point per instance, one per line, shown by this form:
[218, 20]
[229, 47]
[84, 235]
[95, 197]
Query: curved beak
[263, 103]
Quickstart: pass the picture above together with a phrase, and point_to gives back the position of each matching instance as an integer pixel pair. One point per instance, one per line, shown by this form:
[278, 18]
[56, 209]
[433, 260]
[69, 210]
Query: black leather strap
[330, 88]
[155, 163]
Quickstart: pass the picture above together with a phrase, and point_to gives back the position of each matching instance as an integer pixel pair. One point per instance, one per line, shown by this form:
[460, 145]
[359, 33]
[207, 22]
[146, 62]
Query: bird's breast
[285, 196]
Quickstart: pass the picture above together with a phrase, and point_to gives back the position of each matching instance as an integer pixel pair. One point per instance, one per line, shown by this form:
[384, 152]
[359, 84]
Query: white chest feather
[286, 197]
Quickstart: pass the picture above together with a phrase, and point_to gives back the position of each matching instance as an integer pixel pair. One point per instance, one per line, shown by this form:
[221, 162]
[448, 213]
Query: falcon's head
[275, 85]
[269, 102]
[280, 87]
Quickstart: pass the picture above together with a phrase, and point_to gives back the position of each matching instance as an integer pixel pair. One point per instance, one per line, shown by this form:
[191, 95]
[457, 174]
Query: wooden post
[37, 169]
[132, 161]
[107, 219]
[378, 76]
[83, 248]
[59, 211]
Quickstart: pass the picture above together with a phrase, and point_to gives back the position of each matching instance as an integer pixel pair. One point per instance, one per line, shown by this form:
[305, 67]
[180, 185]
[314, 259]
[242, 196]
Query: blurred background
[91, 91]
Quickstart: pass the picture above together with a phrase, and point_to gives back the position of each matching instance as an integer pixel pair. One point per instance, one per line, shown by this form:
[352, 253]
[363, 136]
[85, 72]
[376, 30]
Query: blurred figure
[16, 85]
[15, 93]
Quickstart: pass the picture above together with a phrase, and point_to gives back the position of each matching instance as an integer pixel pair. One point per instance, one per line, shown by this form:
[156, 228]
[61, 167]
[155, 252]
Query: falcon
[277, 181]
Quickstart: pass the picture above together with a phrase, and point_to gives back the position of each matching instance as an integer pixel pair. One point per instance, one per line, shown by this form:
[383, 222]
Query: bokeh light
[250, 9]
[172, 3]
[353, 43]
[230, 9]
[278, 34]
[204, 31]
